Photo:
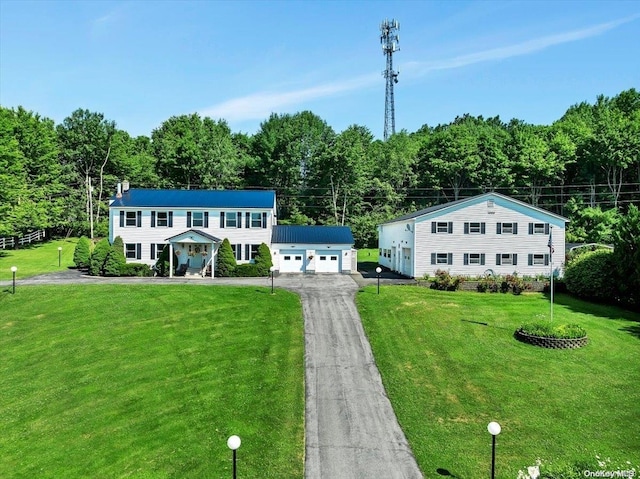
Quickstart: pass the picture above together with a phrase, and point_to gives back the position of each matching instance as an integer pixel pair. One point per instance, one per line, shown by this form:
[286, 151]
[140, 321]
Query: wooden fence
[30, 238]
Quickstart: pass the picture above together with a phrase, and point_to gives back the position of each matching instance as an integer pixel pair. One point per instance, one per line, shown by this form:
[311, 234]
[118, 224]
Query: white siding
[146, 235]
[311, 253]
[393, 238]
[490, 243]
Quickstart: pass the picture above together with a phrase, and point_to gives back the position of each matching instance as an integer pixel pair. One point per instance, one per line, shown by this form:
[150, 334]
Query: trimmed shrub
[557, 331]
[118, 244]
[226, 262]
[263, 260]
[246, 270]
[162, 264]
[591, 276]
[443, 281]
[515, 284]
[82, 253]
[488, 283]
[137, 269]
[114, 262]
[98, 257]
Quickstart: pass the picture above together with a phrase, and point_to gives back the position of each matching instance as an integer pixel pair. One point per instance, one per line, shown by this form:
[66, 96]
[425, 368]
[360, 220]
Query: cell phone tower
[389, 40]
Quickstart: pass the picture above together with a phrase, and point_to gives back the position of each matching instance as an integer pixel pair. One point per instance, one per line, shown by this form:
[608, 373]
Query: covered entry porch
[196, 253]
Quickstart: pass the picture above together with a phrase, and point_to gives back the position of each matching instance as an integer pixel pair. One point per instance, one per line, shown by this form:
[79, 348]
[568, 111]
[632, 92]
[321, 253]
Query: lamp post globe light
[378, 271]
[233, 443]
[59, 255]
[13, 272]
[494, 429]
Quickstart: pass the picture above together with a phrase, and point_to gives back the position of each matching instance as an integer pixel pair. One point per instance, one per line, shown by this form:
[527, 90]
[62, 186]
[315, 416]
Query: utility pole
[389, 40]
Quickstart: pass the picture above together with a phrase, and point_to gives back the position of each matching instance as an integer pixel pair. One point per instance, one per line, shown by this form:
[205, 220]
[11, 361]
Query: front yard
[450, 365]
[150, 381]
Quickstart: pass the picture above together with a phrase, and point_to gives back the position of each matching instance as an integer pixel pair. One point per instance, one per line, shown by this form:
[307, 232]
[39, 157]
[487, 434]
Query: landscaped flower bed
[546, 335]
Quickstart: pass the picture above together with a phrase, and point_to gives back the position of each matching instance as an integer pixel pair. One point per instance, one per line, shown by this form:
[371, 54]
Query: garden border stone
[551, 343]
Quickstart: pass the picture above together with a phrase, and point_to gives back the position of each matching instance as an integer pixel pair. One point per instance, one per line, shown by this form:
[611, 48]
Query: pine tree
[162, 265]
[115, 261]
[226, 263]
[99, 255]
[82, 253]
[118, 244]
[263, 260]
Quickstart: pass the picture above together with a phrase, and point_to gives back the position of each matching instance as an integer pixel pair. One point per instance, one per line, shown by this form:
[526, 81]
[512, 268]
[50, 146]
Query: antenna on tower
[389, 40]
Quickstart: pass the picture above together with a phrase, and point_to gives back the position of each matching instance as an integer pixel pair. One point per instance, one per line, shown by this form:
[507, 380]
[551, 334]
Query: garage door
[406, 261]
[292, 261]
[327, 262]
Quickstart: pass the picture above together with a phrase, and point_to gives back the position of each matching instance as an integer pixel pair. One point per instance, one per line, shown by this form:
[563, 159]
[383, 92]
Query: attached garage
[292, 261]
[312, 249]
[328, 261]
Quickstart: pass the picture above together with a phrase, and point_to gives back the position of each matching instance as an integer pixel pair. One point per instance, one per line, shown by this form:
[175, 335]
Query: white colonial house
[195, 222]
[488, 233]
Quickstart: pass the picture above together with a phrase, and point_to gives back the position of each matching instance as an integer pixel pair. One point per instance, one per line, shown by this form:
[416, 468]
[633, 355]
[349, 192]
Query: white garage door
[292, 261]
[406, 261]
[327, 262]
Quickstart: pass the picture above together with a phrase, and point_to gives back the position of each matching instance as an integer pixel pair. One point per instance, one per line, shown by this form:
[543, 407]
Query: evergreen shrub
[82, 253]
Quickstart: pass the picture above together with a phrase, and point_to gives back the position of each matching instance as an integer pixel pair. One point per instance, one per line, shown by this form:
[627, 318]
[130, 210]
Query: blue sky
[141, 62]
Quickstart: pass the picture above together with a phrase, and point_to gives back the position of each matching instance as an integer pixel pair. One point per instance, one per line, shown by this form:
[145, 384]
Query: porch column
[212, 247]
[170, 260]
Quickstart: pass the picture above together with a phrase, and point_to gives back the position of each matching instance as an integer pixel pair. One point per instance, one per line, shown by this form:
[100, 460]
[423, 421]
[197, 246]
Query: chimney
[119, 192]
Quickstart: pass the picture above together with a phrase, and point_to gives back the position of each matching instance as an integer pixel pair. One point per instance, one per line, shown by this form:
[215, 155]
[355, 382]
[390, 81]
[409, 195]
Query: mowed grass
[37, 258]
[148, 381]
[448, 376]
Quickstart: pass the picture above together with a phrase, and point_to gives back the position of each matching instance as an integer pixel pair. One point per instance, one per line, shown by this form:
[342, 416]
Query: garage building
[313, 249]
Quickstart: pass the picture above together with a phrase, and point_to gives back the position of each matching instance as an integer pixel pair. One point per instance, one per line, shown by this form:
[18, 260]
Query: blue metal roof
[311, 234]
[139, 198]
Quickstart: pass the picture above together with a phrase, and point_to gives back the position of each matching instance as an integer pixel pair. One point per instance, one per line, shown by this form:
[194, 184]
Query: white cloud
[519, 49]
[260, 105]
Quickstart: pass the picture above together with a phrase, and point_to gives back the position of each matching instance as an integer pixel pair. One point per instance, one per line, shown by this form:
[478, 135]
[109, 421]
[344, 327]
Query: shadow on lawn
[445, 472]
[606, 311]
[633, 330]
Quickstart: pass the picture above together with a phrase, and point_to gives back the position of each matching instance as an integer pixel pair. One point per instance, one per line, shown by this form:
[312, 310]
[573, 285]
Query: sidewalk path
[351, 430]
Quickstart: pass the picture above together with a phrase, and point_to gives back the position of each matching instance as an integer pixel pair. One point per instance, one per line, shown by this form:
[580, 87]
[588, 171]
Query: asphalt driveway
[351, 430]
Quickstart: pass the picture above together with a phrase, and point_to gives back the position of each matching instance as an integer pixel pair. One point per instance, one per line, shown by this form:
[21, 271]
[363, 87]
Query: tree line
[585, 165]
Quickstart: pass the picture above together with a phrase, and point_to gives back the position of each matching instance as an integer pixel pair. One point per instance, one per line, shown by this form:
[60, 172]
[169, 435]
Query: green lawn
[37, 258]
[367, 259]
[448, 376]
[150, 381]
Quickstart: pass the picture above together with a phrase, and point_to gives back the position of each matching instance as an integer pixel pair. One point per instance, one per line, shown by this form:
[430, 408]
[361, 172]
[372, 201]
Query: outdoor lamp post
[494, 429]
[59, 255]
[272, 270]
[378, 271]
[13, 271]
[234, 443]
